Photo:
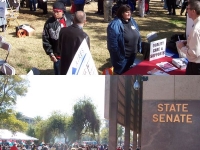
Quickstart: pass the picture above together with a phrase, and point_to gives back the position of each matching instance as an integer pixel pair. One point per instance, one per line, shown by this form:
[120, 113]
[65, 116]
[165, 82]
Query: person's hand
[53, 58]
[180, 44]
[184, 42]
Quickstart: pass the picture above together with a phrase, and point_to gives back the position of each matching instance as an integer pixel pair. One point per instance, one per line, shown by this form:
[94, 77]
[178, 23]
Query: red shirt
[62, 22]
[13, 148]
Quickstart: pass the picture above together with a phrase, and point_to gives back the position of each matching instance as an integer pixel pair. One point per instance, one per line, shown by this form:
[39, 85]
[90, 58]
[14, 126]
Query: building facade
[164, 111]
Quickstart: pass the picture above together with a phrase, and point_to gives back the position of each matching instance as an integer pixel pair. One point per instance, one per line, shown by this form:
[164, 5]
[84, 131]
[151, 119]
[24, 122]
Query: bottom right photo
[153, 112]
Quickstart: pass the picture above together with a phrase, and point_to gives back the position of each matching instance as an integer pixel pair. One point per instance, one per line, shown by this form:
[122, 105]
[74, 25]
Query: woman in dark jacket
[123, 40]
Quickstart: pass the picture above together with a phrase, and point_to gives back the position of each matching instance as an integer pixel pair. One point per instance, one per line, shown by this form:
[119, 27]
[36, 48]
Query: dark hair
[195, 4]
[122, 9]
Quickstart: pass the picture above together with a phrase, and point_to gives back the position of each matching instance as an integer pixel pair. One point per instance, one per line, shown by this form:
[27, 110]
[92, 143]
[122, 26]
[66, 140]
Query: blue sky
[50, 93]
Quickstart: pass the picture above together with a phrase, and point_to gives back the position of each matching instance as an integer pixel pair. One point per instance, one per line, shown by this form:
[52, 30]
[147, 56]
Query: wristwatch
[51, 54]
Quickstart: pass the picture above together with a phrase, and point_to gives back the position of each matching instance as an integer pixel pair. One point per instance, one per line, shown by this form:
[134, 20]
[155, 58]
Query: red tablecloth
[143, 67]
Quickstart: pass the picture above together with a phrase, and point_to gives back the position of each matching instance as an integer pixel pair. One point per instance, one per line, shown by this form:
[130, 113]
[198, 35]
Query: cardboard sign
[3, 9]
[157, 49]
[82, 64]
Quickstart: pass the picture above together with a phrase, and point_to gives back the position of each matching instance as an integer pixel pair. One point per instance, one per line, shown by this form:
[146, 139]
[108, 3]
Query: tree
[19, 116]
[104, 135]
[37, 119]
[61, 124]
[85, 118]
[10, 88]
[120, 132]
[13, 124]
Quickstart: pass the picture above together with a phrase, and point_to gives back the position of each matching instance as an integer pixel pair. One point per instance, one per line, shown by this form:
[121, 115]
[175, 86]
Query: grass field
[28, 52]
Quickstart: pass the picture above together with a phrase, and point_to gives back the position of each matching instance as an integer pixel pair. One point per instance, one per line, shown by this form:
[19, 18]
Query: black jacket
[51, 32]
[69, 41]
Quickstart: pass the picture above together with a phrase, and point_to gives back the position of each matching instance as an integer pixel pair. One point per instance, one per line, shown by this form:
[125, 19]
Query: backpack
[145, 50]
[171, 44]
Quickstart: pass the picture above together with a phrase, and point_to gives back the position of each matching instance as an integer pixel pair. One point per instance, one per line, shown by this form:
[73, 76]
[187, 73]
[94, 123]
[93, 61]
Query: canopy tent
[8, 135]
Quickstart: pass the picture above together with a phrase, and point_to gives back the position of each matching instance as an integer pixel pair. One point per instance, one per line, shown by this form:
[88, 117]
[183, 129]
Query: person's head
[193, 9]
[79, 17]
[58, 9]
[124, 12]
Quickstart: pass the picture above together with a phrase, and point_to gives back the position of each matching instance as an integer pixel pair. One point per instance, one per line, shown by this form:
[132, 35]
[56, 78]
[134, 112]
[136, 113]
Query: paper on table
[156, 71]
[166, 66]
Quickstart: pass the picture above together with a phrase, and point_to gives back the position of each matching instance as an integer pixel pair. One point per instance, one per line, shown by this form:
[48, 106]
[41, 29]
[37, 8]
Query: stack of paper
[166, 66]
[181, 63]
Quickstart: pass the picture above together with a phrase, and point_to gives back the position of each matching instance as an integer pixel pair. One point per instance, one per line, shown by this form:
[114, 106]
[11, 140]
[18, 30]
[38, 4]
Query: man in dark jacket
[51, 32]
[70, 39]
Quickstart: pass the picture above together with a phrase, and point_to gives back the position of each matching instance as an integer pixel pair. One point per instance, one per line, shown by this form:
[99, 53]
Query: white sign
[157, 49]
[3, 9]
[82, 64]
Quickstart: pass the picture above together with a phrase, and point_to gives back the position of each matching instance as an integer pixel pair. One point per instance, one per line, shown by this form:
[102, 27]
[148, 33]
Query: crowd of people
[123, 38]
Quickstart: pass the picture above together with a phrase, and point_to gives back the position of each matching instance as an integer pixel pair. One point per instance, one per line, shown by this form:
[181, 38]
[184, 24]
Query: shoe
[147, 13]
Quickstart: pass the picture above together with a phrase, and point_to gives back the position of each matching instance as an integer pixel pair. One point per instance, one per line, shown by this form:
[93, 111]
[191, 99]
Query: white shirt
[192, 49]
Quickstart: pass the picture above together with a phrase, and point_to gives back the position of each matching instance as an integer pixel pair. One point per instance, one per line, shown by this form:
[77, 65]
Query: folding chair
[4, 46]
[13, 13]
[6, 69]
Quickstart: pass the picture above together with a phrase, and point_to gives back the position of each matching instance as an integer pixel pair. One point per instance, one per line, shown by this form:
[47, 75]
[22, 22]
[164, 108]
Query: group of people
[63, 35]
[171, 6]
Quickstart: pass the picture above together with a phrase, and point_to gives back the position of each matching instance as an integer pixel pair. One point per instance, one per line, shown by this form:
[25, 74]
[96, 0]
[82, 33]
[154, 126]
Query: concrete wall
[172, 88]
[179, 97]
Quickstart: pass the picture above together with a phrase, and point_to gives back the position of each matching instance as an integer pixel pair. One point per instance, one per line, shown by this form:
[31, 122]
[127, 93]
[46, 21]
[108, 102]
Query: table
[143, 67]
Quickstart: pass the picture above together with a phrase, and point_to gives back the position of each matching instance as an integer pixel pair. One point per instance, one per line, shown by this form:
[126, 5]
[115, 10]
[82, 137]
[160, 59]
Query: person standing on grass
[190, 48]
[70, 39]
[44, 6]
[171, 5]
[32, 5]
[79, 4]
[52, 27]
[123, 40]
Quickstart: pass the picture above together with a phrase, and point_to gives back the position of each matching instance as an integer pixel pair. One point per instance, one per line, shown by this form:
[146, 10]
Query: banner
[3, 9]
[83, 63]
[157, 49]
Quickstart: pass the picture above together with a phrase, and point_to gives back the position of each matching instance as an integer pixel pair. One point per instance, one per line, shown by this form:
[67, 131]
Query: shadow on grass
[47, 72]
[105, 65]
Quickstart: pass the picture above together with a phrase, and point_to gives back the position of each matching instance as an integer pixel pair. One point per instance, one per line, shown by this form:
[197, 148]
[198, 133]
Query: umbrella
[8, 135]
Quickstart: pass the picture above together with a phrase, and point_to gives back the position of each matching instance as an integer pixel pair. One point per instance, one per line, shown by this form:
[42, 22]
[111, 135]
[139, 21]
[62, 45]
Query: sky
[51, 93]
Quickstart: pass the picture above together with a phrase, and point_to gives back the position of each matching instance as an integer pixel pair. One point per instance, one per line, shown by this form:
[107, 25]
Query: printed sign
[83, 63]
[157, 49]
[3, 9]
